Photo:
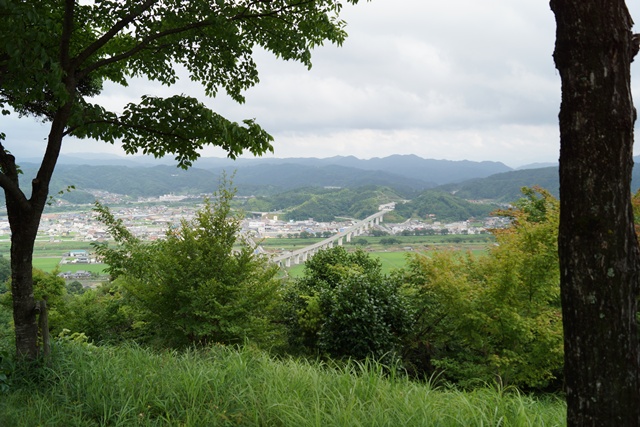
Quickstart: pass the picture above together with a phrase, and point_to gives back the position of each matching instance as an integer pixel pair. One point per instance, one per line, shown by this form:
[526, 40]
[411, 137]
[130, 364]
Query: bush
[343, 306]
[390, 241]
[496, 317]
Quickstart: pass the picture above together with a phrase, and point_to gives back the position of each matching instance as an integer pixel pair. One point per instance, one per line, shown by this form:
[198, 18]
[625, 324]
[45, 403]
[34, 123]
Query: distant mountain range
[416, 171]
[407, 174]
[428, 172]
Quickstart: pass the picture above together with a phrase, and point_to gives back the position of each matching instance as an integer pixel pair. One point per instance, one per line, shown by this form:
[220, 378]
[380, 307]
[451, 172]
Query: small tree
[203, 283]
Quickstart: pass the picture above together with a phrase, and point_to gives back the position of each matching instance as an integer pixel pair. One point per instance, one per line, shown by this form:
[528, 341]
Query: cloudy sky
[455, 79]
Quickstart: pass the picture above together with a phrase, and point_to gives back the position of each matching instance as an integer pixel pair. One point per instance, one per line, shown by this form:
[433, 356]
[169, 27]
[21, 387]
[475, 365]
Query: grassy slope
[130, 386]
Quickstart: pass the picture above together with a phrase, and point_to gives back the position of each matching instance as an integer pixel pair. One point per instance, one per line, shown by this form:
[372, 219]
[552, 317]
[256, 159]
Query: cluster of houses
[77, 257]
[75, 275]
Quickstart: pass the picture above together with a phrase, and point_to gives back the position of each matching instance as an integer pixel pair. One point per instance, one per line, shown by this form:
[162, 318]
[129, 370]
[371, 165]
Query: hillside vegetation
[505, 187]
[444, 207]
[223, 386]
[198, 329]
[325, 204]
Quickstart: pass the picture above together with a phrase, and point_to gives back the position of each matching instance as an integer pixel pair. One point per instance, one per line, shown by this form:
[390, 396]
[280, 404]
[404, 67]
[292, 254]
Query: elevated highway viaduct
[301, 255]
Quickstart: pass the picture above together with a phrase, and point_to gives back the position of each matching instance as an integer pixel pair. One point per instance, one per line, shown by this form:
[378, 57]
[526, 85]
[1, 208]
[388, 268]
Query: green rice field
[47, 254]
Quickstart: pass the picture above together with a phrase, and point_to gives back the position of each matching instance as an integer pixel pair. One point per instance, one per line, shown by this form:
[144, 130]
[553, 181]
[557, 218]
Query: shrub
[343, 306]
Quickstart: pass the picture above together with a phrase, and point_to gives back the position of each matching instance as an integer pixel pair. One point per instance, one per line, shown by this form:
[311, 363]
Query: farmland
[48, 253]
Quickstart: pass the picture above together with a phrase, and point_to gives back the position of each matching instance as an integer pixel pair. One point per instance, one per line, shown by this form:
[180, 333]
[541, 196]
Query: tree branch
[67, 31]
[243, 15]
[148, 129]
[145, 42]
[142, 45]
[110, 34]
[9, 179]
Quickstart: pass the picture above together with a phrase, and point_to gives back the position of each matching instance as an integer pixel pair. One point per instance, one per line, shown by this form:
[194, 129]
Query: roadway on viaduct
[301, 255]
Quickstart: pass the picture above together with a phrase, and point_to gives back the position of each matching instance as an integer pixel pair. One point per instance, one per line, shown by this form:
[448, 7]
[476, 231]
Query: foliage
[56, 56]
[203, 283]
[5, 270]
[222, 386]
[496, 317]
[213, 42]
[390, 241]
[75, 287]
[635, 202]
[4, 379]
[506, 187]
[343, 306]
[104, 315]
[45, 285]
[360, 241]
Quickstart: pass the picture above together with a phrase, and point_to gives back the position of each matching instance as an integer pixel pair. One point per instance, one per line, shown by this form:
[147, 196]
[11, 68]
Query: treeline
[258, 180]
[467, 320]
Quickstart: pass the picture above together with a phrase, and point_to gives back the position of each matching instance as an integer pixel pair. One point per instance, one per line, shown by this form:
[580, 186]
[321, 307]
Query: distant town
[149, 218]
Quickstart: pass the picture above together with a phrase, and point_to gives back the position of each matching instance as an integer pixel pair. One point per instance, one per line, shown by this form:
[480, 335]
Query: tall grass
[132, 386]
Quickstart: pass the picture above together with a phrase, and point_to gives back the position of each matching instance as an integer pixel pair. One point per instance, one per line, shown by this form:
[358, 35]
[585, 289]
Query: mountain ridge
[408, 174]
[430, 171]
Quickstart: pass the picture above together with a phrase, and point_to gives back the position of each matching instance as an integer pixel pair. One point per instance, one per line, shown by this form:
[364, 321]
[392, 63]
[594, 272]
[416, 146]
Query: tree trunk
[598, 248]
[23, 233]
[24, 220]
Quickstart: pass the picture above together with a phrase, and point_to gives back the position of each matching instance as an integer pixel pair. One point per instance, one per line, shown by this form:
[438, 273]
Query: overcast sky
[455, 79]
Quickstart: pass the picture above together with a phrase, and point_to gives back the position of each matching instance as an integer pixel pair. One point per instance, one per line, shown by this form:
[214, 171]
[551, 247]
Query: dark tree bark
[24, 218]
[598, 249]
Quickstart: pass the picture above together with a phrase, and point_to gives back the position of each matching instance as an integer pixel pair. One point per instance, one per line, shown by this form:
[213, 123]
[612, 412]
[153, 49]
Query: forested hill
[271, 178]
[258, 180]
[406, 174]
[325, 204]
[505, 187]
[328, 204]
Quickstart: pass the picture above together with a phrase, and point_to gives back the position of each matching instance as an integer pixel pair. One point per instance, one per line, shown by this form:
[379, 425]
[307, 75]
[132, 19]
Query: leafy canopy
[55, 57]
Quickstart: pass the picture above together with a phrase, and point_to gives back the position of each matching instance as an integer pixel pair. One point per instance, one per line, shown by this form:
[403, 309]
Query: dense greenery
[343, 306]
[5, 269]
[326, 205]
[56, 56]
[468, 319]
[221, 386]
[202, 284]
[496, 317]
[465, 320]
[505, 187]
